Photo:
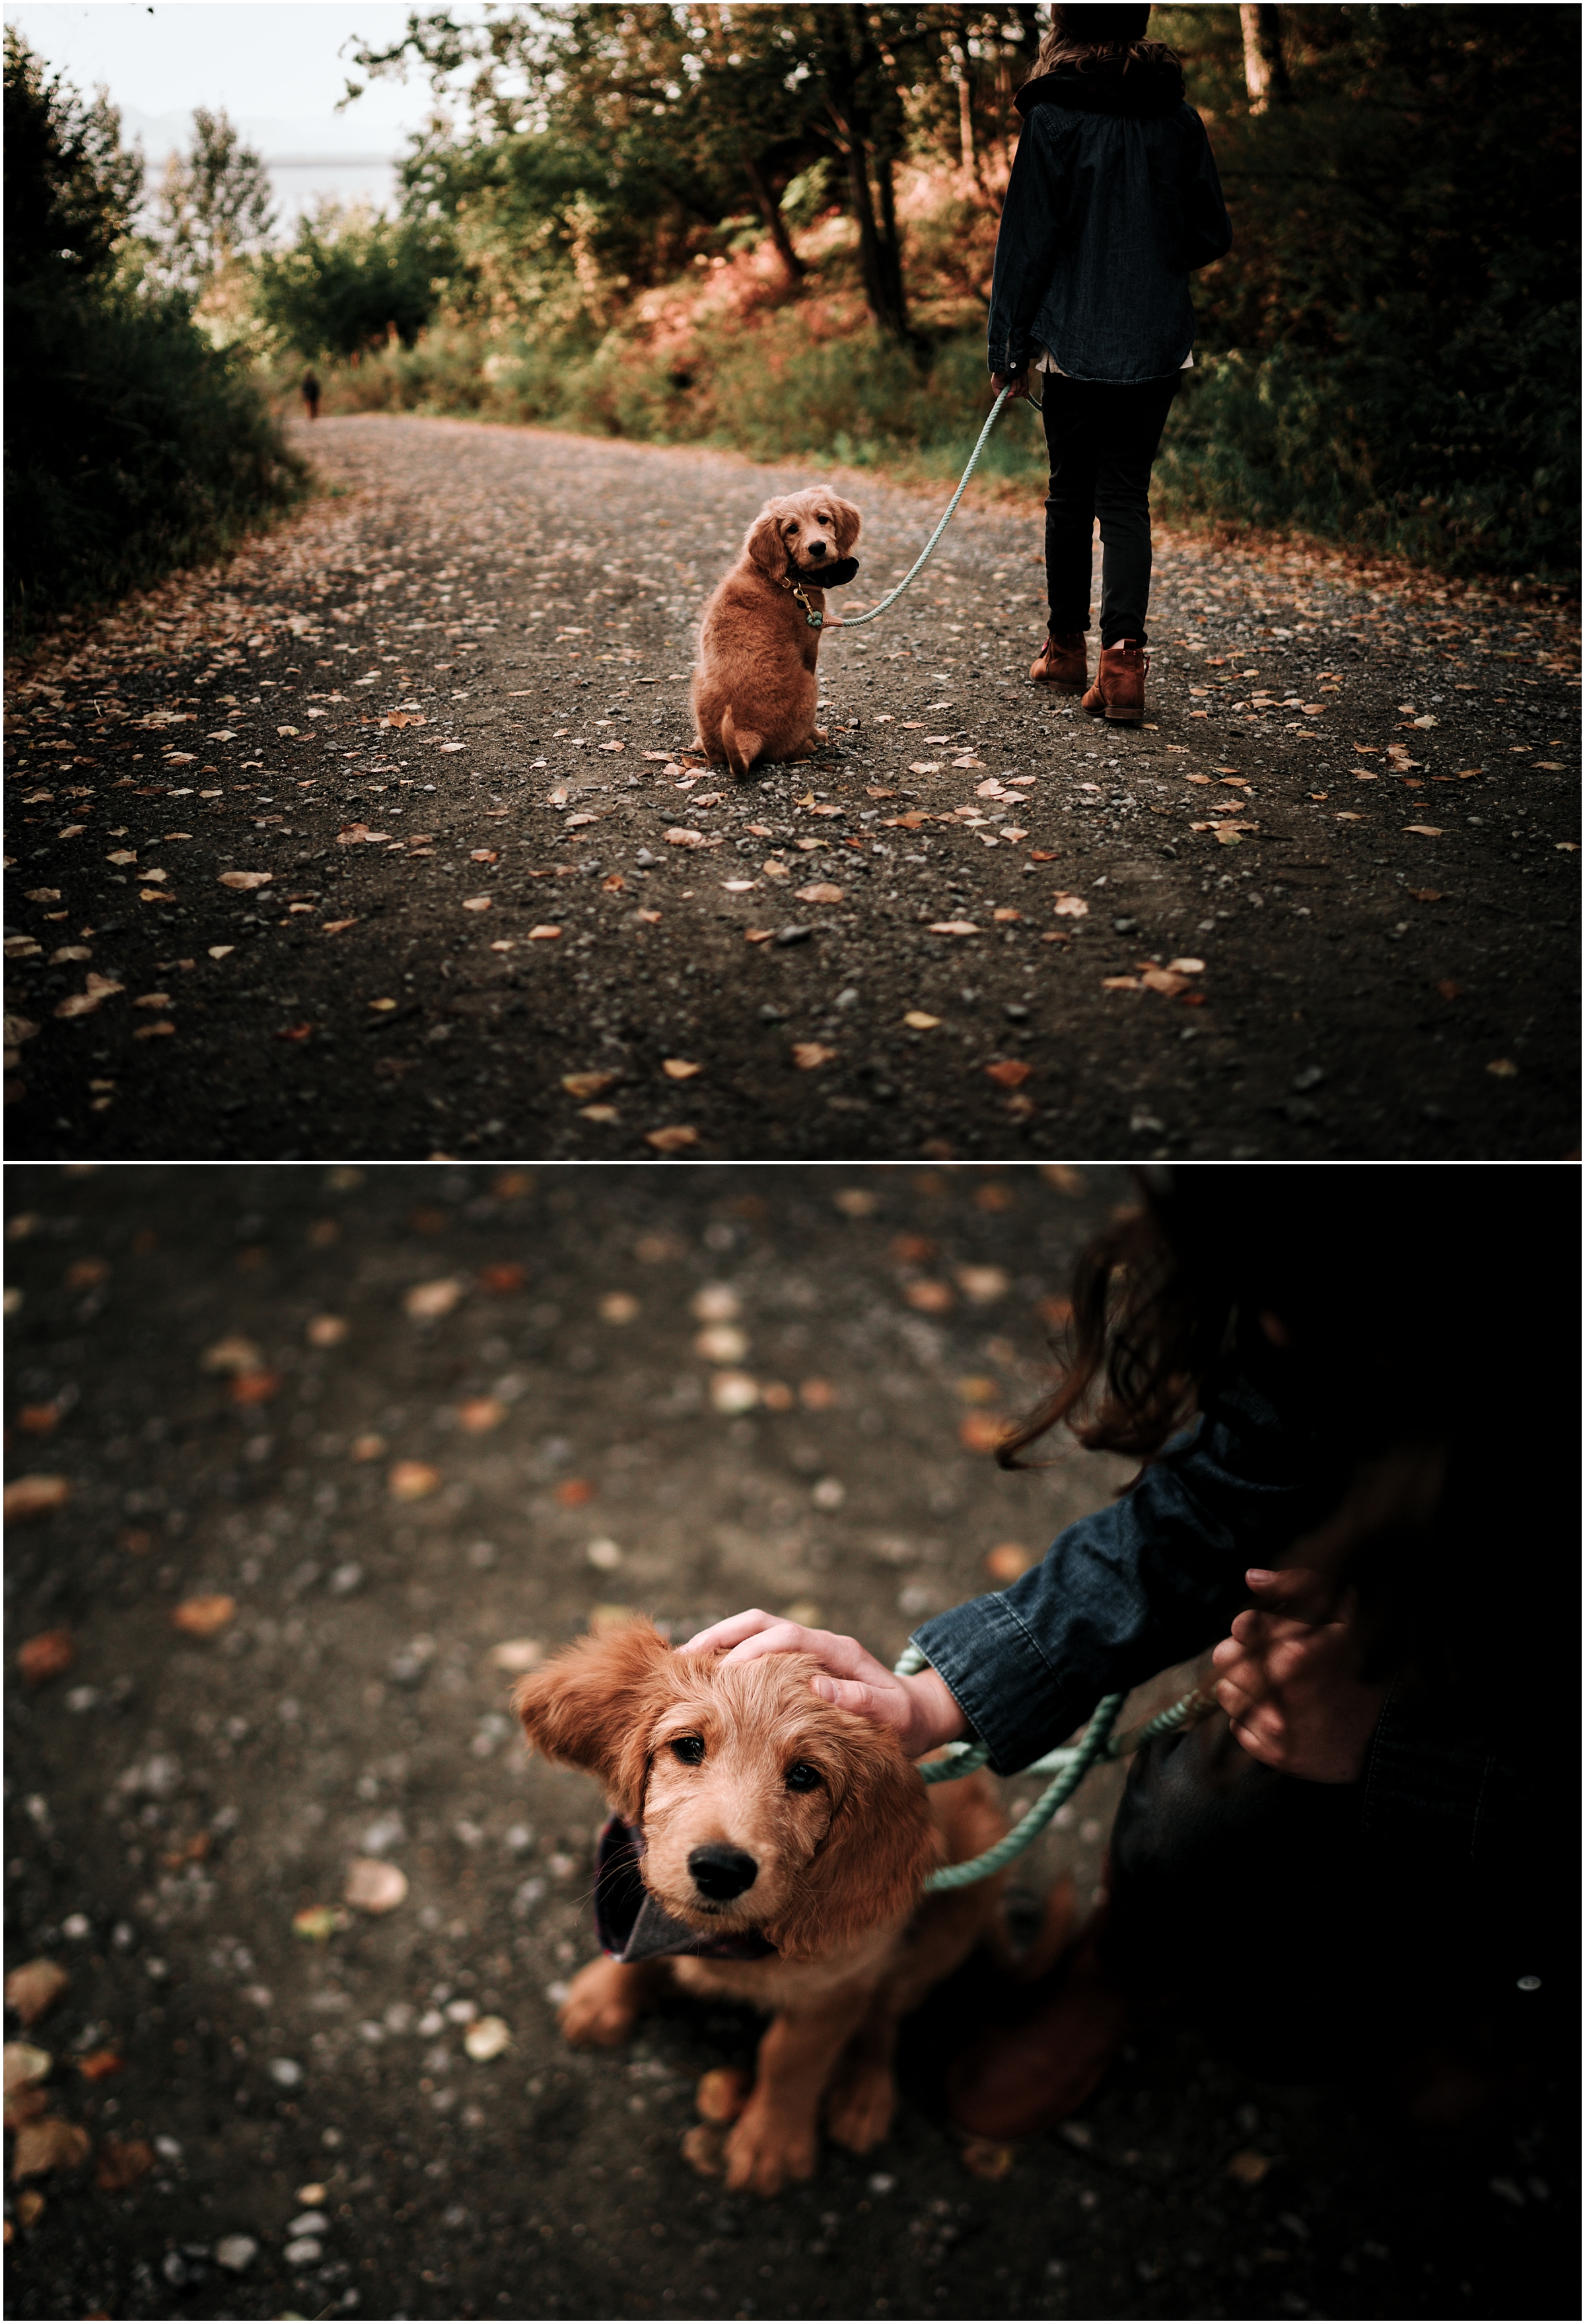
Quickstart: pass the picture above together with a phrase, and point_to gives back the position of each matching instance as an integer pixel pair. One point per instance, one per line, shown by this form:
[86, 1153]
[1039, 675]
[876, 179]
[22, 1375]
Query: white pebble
[286, 2071]
[303, 2252]
[76, 1925]
[309, 2223]
[236, 2251]
[882, 2182]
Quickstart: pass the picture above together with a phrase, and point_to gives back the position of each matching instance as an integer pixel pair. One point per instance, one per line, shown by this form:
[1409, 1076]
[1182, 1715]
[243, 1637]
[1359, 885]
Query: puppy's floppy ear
[848, 524]
[879, 1847]
[763, 548]
[593, 1705]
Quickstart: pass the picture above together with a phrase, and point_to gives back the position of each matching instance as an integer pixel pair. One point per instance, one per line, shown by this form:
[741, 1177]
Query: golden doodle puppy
[755, 689]
[766, 1847]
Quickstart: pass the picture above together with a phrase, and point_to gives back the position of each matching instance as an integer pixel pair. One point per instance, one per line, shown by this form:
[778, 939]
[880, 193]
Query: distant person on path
[311, 392]
[1355, 1397]
[1113, 202]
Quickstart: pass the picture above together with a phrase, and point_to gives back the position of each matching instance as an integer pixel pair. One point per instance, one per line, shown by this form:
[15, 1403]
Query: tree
[215, 206]
[351, 280]
[1265, 74]
[71, 186]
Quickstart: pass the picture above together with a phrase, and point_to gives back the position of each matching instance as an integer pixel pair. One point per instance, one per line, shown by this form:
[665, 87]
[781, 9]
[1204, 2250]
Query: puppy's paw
[602, 2007]
[765, 2151]
[861, 2110]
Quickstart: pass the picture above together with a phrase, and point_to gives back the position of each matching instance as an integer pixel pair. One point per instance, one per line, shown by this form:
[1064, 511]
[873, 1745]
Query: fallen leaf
[477, 1415]
[49, 2145]
[679, 1069]
[954, 929]
[1042, 855]
[1071, 907]
[929, 1297]
[723, 2093]
[674, 1140]
[35, 1497]
[33, 1990]
[981, 1432]
[924, 767]
[517, 1655]
[573, 1492]
[330, 928]
[822, 892]
[920, 1020]
[121, 2163]
[315, 1924]
[368, 1447]
[983, 2157]
[487, 2037]
[246, 879]
[807, 1055]
[1008, 1560]
[1006, 912]
[1504, 1068]
[352, 835]
[1248, 2167]
[412, 1480]
[587, 1085]
[1449, 990]
[327, 1331]
[1009, 1072]
[374, 1886]
[1162, 980]
[681, 838]
[49, 1655]
[99, 2064]
[25, 2064]
[219, 952]
[201, 1617]
[1426, 830]
[1187, 966]
[425, 1302]
[543, 934]
[233, 1354]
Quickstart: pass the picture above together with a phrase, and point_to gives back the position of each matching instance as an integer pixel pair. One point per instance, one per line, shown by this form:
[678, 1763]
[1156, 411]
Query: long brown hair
[1072, 44]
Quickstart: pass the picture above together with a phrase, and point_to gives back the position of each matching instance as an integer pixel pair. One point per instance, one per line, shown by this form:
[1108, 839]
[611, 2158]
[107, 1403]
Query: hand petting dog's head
[762, 1806]
[804, 537]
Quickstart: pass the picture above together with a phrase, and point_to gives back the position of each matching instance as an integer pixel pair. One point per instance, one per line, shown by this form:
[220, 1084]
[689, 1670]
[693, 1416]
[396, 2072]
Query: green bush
[132, 444]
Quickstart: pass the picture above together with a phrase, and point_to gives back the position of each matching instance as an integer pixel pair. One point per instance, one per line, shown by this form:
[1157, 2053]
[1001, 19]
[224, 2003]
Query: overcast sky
[275, 60]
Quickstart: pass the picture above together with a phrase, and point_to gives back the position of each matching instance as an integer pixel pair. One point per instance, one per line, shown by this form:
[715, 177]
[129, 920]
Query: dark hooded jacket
[1113, 202]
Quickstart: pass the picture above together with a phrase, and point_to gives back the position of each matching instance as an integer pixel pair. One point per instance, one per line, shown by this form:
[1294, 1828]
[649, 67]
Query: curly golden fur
[838, 1879]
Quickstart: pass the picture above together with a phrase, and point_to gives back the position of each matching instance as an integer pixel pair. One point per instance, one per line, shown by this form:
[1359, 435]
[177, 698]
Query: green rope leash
[857, 621]
[1067, 1766]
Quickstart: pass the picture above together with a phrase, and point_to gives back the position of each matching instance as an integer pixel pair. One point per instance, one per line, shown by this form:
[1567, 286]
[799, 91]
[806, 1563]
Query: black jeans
[1101, 441]
[1253, 1901]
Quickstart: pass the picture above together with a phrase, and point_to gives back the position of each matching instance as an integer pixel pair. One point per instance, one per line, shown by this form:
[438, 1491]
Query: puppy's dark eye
[801, 1777]
[688, 1749]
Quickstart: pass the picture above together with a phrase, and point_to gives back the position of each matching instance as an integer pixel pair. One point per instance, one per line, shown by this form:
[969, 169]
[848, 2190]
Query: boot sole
[1117, 717]
[1061, 685]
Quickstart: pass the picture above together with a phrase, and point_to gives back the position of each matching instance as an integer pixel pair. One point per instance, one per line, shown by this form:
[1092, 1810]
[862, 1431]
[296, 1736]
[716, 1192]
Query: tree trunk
[774, 223]
[960, 70]
[890, 253]
[1266, 76]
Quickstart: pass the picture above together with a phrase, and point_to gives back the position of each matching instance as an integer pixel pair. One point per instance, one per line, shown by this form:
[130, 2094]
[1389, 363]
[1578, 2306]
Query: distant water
[300, 185]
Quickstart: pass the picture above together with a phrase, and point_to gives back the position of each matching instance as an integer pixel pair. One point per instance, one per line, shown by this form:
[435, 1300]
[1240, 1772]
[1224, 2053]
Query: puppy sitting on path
[771, 1849]
[755, 688]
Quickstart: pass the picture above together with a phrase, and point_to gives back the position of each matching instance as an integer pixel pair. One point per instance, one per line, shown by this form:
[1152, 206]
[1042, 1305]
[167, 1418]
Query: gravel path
[302, 1511]
[510, 922]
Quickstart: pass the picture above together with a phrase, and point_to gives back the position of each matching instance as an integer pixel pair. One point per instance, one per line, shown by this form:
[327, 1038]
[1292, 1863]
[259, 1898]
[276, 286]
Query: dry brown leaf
[1248, 2167]
[675, 1140]
[1504, 1068]
[822, 892]
[374, 1886]
[246, 879]
[425, 1302]
[201, 1617]
[1008, 1560]
[121, 2163]
[502, 1276]
[412, 1480]
[808, 1055]
[25, 2064]
[367, 1447]
[100, 2063]
[929, 1297]
[587, 1085]
[983, 2157]
[543, 933]
[480, 1414]
[981, 1432]
[1073, 908]
[48, 2145]
[679, 1069]
[573, 1492]
[35, 1497]
[34, 1989]
[254, 1387]
[233, 1354]
[327, 1331]
[49, 1655]
[954, 928]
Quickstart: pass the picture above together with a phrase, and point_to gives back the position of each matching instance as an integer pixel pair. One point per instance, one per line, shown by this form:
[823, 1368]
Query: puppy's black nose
[721, 1872]
[818, 549]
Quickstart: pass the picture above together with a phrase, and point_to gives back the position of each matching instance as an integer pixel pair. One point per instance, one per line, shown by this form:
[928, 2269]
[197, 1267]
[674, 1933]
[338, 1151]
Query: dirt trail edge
[378, 842]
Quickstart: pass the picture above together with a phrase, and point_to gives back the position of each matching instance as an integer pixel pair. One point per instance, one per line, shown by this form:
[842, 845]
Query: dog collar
[632, 1925]
[815, 621]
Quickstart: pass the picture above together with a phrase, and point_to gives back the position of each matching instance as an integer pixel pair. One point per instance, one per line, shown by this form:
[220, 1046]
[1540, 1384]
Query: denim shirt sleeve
[1151, 1581]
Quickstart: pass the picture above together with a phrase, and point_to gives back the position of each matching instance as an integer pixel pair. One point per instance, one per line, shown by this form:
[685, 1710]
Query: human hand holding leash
[1017, 384]
[922, 1710]
[1292, 1688]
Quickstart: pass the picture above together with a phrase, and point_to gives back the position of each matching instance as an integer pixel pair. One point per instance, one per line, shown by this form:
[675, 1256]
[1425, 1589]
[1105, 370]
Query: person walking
[311, 392]
[1361, 1863]
[1113, 202]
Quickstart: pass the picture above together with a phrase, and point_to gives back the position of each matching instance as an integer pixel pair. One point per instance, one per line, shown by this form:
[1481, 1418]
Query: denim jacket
[1113, 200]
[1156, 1579]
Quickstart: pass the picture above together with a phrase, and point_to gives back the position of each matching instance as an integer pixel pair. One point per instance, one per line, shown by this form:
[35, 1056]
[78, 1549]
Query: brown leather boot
[1060, 663]
[1022, 2079]
[1118, 691]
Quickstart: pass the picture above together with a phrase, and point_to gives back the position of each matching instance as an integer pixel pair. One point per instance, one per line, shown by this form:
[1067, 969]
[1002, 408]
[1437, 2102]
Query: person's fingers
[1272, 1752]
[1227, 1652]
[1296, 1586]
[843, 1657]
[869, 1701]
[724, 1633]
